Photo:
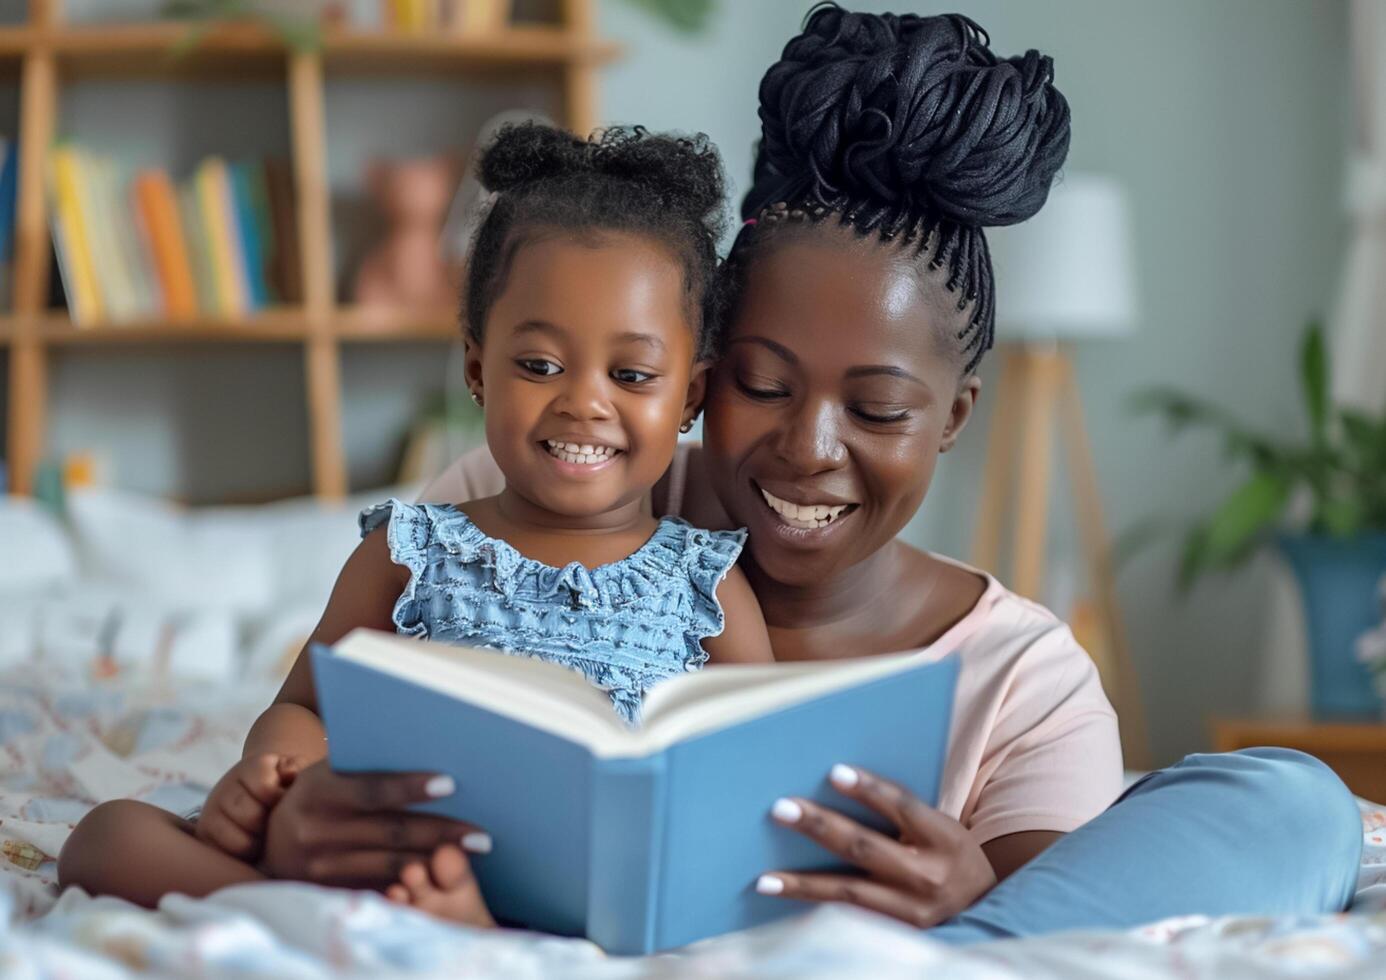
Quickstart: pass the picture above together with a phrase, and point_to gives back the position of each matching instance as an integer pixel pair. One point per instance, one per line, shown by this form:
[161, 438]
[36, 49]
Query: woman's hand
[354, 831]
[931, 873]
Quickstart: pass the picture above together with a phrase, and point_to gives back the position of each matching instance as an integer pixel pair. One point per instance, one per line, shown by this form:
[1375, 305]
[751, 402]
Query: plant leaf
[1251, 510]
[1365, 436]
[1193, 560]
[1313, 379]
[1183, 412]
[687, 16]
[1342, 517]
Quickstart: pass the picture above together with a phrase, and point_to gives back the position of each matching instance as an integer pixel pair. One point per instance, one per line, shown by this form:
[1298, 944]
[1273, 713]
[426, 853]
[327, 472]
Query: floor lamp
[1063, 276]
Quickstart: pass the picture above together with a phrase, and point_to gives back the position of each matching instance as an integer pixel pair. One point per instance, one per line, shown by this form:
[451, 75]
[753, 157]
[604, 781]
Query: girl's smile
[575, 460]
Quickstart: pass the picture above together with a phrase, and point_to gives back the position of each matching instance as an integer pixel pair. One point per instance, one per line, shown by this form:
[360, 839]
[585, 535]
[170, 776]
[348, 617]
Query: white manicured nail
[844, 777]
[477, 842]
[786, 811]
[440, 786]
[769, 885]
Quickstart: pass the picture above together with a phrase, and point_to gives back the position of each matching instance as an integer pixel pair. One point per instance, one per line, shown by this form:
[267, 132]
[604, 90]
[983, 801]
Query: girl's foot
[445, 888]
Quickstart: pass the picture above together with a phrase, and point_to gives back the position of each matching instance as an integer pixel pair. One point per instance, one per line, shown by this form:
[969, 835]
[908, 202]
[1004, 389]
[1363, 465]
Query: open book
[640, 838]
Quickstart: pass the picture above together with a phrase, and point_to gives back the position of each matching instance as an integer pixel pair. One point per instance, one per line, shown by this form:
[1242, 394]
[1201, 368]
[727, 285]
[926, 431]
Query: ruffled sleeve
[408, 532]
[709, 556]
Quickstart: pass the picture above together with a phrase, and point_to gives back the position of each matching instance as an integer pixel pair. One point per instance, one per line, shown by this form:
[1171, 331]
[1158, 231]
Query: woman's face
[836, 395]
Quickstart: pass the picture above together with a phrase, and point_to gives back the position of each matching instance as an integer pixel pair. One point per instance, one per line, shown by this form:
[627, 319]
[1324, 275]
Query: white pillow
[311, 541]
[95, 627]
[183, 560]
[35, 551]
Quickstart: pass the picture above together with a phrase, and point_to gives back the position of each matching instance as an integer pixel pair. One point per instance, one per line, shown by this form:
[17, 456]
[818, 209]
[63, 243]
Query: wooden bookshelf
[47, 51]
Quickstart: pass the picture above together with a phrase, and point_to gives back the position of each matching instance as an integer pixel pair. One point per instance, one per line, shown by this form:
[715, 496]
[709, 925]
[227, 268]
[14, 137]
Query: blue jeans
[1267, 832]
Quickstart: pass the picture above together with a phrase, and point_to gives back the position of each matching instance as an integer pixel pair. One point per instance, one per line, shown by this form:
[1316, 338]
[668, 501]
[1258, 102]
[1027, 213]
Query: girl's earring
[476, 398]
[687, 426]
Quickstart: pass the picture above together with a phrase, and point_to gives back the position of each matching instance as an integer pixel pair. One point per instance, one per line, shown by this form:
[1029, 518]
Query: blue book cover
[639, 839]
[248, 235]
[9, 182]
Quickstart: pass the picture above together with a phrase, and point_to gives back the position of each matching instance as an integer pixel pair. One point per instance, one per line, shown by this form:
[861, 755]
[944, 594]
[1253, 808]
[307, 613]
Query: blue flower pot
[1339, 578]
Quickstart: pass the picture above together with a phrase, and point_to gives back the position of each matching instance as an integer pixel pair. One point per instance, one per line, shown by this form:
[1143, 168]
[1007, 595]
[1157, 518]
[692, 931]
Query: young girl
[587, 346]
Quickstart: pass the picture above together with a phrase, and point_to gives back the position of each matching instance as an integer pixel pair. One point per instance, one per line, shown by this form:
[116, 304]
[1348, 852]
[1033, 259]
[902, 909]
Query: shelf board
[367, 324]
[519, 45]
[284, 325]
[269, 326]
[144, 49]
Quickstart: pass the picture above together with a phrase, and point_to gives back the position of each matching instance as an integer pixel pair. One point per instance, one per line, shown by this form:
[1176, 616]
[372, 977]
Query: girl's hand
[354, 831]
[234, 817]
[931, 873]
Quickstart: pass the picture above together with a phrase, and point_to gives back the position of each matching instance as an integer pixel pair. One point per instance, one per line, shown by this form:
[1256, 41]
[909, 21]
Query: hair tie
[748, 223]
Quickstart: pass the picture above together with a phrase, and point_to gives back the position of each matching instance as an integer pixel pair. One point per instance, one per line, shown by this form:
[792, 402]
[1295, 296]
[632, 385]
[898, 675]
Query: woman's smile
[804, 514]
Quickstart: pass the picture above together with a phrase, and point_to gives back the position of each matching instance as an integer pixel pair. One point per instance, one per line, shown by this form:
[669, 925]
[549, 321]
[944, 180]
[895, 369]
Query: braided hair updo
[546, 180]
[910, 129]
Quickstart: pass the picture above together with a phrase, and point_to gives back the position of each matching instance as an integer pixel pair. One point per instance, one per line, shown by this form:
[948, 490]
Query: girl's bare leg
[141, 853]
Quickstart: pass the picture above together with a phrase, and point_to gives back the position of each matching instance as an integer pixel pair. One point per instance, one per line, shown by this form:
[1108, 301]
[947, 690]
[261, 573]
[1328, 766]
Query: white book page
[542, 695]
[561, 701]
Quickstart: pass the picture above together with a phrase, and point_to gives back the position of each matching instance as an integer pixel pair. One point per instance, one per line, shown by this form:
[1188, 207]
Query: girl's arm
[365, 595]
[354, 830]
[744, 638]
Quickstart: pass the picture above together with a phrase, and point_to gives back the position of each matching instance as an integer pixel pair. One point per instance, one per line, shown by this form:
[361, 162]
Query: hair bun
[685, 172]
[523, 153]
[912, 112]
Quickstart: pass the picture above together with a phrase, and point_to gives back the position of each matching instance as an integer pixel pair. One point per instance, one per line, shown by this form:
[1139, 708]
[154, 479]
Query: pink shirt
[1034, 742]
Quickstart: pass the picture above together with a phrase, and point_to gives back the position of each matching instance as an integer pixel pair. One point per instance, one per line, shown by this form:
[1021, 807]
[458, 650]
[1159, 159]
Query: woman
[859, 304]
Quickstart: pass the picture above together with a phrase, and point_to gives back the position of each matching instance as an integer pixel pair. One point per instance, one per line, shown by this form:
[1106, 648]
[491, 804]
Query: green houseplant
[1320, 499]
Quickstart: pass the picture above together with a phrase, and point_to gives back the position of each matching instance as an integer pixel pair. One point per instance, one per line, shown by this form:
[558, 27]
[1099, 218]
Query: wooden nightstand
[1355, 750]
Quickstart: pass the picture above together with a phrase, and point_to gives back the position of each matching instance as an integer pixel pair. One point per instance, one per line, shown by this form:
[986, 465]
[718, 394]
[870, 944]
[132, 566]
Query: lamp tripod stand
[1037, 394]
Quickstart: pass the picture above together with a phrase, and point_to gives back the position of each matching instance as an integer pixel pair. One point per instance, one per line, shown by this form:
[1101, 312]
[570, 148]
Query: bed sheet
[70, 736]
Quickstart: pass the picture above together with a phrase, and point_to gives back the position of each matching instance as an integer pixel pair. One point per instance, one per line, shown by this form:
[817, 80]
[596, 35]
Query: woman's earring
[687, 426]
[476, 398]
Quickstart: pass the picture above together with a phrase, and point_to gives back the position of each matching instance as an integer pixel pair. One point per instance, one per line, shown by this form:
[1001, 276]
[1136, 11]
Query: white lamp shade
[1066, 274]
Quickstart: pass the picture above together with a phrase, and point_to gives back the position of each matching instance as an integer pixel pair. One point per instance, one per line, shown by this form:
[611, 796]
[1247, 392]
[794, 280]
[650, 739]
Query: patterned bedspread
[69, 739]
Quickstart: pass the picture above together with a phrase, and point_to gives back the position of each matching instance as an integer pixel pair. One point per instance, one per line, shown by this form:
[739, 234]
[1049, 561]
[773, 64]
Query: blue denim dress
[625, 625]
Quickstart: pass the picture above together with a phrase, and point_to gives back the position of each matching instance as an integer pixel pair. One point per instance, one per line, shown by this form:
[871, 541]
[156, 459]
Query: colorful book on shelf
[100, 238]
[411, 15]
[139, 249]
[258, 185]
[9, 150]
[158, 207]
[640, 839]
[219, 231]
[226, 179]
[125, 258]
[242, 178]
[8, 187]
[75, 259]
[199, 254]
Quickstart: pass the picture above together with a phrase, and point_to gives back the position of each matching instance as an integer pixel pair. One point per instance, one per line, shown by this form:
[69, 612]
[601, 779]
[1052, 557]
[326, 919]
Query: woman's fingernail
[786, 811]
[440, 786]
[477, 842]
[769, 885]
[843, 777]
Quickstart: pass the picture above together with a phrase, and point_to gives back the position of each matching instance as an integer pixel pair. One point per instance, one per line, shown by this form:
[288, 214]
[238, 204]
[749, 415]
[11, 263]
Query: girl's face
[586, 371]
[836, 395]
